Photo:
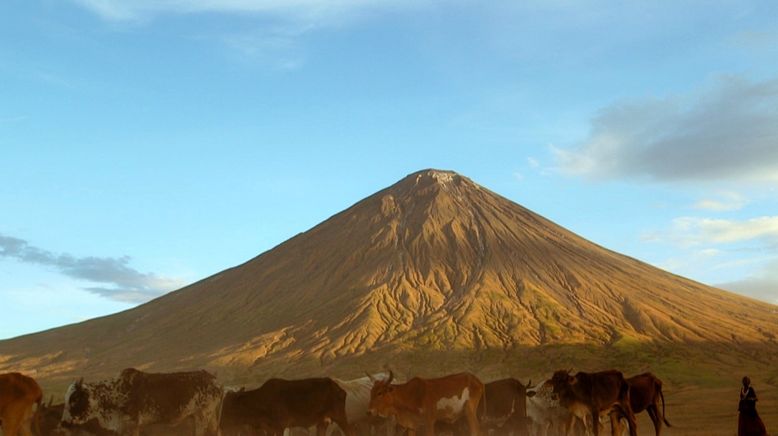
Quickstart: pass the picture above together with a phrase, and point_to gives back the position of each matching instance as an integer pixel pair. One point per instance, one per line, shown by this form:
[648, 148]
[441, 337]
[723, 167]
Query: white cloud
[693, 231]
[726, 201]
[726, 132]
[277, 48]
[762, 285]
[693, 259]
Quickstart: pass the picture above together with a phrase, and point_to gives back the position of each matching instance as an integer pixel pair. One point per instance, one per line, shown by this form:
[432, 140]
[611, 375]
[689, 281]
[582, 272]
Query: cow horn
[80, 382]
[370, 376]
[391, 377]
[529, 384]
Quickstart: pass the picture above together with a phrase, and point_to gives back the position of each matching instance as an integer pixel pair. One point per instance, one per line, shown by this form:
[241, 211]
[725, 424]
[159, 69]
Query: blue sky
[147, 144]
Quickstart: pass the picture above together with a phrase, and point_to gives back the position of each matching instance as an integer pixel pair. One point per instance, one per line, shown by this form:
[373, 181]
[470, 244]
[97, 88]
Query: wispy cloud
[726, 132]
[13, 120]
[724, 201]
[278, 48]
[311, 11]
[274, 39]
[119, 281]
[694, 231]
[762, 285]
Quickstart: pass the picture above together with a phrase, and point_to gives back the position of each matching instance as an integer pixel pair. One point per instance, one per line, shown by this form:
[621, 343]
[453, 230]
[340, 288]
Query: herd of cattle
[193, 403]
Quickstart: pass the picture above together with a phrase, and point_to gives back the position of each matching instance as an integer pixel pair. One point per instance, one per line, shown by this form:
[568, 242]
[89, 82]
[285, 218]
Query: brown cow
[645, 391]
[279, 404]
[48, 418]
[605, 391]
[505, 407]
[422, 402]
[18, 395]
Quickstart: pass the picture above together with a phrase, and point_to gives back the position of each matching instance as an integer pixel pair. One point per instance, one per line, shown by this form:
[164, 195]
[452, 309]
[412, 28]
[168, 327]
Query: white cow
[357, 401]
[551, 418]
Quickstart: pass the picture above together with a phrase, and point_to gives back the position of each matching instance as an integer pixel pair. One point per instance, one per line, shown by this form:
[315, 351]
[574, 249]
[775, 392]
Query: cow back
[16, 387]
[165, 395]
[644, 390]
[284, 403]
[503, 398]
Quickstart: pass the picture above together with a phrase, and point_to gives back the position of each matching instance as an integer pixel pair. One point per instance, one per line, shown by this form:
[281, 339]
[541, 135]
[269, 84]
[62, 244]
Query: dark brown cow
[279, 404]
[422, 402]
[504, 407]
[645, 392]
[50, 416]
[605, 391]
[136, 401]
[18, 395]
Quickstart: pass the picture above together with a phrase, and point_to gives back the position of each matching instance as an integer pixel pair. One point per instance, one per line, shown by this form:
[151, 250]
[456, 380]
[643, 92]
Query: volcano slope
[433, 274]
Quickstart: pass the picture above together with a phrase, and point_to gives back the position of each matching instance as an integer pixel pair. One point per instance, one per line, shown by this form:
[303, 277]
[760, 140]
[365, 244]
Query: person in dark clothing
[749, 423]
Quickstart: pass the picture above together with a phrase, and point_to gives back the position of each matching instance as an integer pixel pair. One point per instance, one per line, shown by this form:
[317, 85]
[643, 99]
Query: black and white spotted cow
[137, 400]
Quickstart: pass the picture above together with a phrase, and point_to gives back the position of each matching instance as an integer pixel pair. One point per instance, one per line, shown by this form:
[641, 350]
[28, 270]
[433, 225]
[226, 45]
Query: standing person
[749, 423]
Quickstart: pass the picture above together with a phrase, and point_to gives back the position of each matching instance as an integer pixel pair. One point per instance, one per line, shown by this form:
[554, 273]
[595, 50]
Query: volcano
[434, 265]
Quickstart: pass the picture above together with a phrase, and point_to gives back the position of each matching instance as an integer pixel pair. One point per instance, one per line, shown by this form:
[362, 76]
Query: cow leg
[471, 413]
[429, 426]
[596, 422]
[339, 418]
[615, 418]
[653, 413]
[568, 426]
[631, 421]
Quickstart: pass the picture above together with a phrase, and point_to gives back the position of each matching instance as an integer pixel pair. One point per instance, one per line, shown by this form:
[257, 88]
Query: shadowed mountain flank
[433, 262]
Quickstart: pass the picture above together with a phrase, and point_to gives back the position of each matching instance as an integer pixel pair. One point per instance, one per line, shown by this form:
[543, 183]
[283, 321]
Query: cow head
[78, 408]
[563, 384]
[529, 390]
[381, 396]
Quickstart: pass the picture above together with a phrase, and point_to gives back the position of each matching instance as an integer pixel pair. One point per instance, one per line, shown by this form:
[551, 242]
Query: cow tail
[219, 413]
[664, 417]
[483, 400]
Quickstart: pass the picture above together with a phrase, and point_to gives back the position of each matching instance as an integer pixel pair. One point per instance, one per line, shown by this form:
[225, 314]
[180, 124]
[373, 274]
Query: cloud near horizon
[694, 231]
[120, 281]
[762, 285]
[726, 132]
[723, 201]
